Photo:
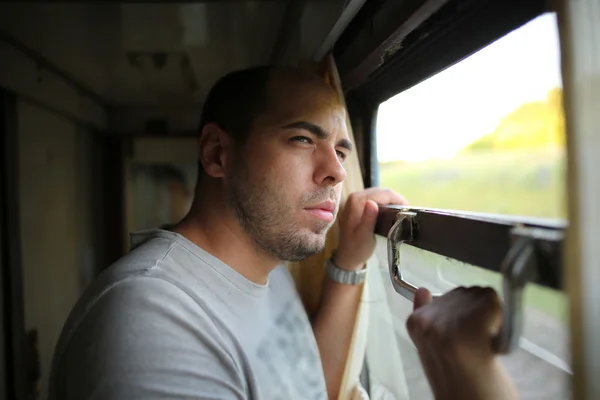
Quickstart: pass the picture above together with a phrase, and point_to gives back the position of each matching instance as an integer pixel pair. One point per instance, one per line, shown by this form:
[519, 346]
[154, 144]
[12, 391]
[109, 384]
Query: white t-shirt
[170, 321]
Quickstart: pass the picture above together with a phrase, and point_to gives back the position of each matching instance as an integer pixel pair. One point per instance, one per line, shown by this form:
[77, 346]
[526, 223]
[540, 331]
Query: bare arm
[333, 326]
[334, 322]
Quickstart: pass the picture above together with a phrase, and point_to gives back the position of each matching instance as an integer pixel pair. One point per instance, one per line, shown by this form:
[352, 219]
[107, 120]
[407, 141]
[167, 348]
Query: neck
[214, 227]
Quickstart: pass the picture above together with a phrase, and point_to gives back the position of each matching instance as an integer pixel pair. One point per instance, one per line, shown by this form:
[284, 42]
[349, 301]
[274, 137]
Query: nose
[329, 169]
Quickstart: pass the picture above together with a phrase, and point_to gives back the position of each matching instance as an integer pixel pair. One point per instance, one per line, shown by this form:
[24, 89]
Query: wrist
[344, 276]
[476, 381]
[345, 264]
[496, 384]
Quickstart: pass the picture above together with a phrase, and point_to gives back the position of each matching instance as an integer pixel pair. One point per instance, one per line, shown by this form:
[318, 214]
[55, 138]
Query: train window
[487, 135]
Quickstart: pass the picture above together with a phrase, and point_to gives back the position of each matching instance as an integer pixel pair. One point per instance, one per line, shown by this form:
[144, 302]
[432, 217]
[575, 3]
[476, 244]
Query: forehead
[305, 100]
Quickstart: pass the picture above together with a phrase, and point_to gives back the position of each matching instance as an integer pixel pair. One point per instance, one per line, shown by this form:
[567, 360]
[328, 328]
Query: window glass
[486, 134]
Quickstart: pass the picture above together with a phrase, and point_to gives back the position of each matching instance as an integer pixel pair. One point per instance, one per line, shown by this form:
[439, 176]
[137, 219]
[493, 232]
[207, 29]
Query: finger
[493, 311]
[369, 218]
[484, 306]
[387, 196]
[353, 211]
[422, 298]
[382, 196]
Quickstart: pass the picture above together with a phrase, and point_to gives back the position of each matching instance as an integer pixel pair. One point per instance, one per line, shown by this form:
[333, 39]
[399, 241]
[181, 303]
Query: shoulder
[139, 331]
[126, 309]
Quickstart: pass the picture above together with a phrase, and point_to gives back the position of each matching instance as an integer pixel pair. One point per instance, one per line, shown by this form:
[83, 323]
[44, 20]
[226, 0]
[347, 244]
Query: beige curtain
[309, 274]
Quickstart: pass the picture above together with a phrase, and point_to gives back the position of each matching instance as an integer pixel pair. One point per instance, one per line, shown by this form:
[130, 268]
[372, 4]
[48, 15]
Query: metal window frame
[385, 51]
[482, 240]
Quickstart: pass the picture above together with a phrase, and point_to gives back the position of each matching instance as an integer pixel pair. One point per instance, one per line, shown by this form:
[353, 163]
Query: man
[207, 311]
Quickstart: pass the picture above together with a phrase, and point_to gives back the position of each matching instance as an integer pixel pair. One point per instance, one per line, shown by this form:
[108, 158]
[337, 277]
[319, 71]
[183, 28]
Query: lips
[326, 205]
[323, 210]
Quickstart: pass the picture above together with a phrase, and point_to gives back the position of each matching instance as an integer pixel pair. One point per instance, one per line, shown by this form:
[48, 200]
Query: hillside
[537, 124]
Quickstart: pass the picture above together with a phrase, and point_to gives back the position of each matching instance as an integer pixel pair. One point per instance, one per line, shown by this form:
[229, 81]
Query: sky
[441, 115]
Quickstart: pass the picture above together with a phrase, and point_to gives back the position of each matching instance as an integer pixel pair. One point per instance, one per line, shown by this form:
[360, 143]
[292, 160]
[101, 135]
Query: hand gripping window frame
[529, 247]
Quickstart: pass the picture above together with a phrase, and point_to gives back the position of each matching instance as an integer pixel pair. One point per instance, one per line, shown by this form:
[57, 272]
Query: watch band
[343, 276]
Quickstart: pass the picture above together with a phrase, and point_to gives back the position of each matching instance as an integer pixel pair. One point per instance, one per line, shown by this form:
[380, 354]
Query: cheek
[280, 169]
[289, 169]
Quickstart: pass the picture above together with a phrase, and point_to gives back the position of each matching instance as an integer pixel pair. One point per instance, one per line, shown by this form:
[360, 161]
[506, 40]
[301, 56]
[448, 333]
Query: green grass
[529, 183]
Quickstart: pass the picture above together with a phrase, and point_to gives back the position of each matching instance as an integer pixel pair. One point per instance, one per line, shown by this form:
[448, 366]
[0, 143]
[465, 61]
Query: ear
[214, 145]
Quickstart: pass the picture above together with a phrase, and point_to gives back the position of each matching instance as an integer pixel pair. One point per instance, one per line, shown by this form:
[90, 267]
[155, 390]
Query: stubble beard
[268, 219]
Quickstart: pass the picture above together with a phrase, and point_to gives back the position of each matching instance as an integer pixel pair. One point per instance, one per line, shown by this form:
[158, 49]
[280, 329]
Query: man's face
[286, 183]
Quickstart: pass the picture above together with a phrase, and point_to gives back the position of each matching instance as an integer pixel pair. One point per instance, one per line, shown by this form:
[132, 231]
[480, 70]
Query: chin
[315, 243]
[317, 233]
[304, 245]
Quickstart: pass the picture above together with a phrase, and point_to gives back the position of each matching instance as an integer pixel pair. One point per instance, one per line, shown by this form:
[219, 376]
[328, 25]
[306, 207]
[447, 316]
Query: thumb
[422, 298]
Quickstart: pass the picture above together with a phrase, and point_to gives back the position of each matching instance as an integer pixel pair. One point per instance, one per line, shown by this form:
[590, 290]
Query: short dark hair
[236, 100]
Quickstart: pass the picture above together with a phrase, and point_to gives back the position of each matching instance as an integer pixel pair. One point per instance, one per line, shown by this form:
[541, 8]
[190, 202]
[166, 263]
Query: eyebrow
[319, 133]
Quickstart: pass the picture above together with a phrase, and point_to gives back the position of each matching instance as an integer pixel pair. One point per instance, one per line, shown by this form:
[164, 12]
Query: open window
[485, 135]
[477, 146]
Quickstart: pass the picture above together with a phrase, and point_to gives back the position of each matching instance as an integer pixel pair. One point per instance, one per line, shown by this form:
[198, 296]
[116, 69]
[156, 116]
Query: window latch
[518, 267]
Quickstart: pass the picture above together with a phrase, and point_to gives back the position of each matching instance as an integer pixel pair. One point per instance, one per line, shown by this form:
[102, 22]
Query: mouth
[323, 211]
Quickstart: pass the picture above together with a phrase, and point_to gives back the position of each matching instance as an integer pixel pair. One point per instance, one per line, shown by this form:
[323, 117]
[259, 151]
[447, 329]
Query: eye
[341, 155]
[302, 139]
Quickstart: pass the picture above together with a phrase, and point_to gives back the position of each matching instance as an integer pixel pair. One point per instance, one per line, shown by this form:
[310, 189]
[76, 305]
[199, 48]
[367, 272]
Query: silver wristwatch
[343, 276]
